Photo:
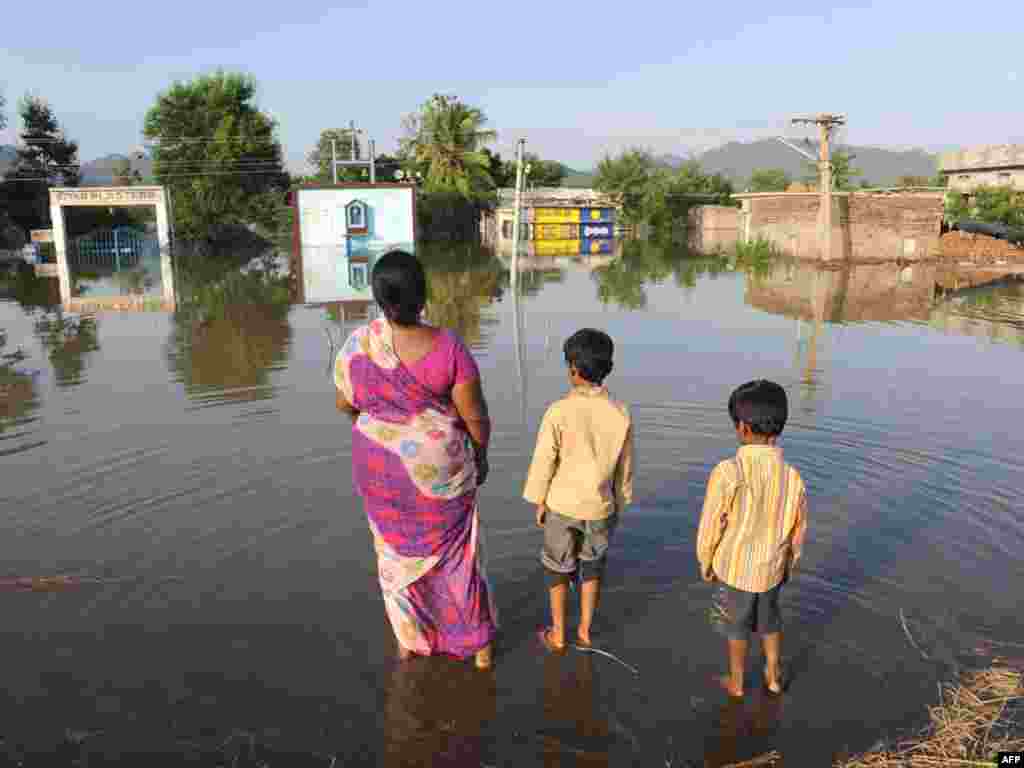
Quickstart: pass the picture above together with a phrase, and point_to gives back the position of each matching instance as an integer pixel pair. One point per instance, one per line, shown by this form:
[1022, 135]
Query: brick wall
[979, 249]
[712, 228]
[895, 226]
[867, 227]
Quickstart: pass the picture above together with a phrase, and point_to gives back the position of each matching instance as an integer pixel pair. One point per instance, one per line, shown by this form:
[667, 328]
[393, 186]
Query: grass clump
[973, 721]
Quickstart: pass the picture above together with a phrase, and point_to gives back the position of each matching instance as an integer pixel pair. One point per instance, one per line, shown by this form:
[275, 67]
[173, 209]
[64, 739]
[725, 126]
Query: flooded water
[189, 478]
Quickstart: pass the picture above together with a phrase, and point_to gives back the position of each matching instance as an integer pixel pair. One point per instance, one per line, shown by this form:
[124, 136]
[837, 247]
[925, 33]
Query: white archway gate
[111, 197]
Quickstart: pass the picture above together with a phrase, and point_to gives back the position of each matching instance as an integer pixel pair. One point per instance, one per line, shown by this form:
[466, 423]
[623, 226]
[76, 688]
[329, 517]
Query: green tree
[842, 171]
[319, 158]
[123, 175]
[769, 180]
[909, 180]
[218, 154]
[543, 173]
[995, 205]
[386, 167]
[45, 159]
[444, 142]
[626, 178]
[503, 173]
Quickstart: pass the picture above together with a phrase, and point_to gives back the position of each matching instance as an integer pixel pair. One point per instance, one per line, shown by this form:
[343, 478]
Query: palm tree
[445, 142]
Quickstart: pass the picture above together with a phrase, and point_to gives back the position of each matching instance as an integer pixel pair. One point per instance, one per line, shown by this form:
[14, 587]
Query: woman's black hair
[762, 405]
[590, 353]
[399, 287]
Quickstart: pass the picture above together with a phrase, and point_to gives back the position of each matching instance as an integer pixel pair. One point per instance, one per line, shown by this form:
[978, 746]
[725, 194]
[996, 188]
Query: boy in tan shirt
[581, 479]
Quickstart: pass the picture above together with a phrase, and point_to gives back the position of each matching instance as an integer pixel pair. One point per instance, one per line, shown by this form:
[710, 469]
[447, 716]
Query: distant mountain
[8, 156]
[101, 171]
[881, 167]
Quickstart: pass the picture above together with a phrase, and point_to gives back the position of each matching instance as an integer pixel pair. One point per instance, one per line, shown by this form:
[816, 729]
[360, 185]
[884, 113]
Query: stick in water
[906, 630]
[612, 656]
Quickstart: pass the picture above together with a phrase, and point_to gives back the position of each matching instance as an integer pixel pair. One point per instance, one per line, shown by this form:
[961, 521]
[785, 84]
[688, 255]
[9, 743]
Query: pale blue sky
[575, 80]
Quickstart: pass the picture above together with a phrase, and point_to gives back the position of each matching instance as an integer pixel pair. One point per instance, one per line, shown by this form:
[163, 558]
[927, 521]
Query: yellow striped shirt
[754, 519]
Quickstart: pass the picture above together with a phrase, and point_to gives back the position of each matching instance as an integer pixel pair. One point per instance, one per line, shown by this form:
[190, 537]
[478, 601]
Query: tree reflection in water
[18, 395]
[437, 709]
[231, 328]
[650, 262]
[462, 280]
[68, 341]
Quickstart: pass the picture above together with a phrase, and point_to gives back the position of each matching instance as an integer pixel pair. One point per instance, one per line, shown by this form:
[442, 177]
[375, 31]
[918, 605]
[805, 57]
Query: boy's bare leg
[772, 645]
[733, 682]
[590, 594]
[559, 595]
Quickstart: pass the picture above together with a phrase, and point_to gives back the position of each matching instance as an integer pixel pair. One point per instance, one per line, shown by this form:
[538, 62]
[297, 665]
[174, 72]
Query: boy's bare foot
[773, 681]
[484, 658]
[404, 654]
[725, 682]
[583, 638]
[549, 640]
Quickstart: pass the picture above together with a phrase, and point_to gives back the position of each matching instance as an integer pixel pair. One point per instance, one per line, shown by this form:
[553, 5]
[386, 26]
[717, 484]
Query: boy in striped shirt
[751, 531]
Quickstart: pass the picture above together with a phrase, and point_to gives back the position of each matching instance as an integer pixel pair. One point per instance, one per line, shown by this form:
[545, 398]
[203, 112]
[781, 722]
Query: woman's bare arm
[471, 405]
[469, 401]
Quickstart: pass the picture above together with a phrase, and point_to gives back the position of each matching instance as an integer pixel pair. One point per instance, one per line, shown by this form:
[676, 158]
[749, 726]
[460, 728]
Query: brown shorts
[570, 544]
[736, 614]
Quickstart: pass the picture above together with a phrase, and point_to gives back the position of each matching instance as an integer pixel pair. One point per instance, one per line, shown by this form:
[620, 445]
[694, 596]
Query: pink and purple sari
[413, 464]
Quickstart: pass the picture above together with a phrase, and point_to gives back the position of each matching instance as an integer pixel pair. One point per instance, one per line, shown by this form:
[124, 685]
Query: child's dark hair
[399, 287]
[590, 353]
[762, 405]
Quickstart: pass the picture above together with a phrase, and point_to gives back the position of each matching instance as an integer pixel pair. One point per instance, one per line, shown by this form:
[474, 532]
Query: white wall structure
[341, 230]
[111, 197]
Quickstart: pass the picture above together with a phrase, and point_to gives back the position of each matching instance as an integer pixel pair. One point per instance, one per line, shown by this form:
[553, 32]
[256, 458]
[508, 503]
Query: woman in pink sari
[419, 452]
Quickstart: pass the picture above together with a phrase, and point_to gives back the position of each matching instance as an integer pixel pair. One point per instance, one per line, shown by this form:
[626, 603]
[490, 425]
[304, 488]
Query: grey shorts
[736, 614]
[570, 544]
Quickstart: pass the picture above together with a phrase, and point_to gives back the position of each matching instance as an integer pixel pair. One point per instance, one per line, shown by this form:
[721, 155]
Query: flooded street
[191, 477]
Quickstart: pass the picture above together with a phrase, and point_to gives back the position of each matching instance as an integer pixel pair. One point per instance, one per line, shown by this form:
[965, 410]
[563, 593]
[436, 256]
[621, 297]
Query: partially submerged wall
[712, 228]
[867, 226]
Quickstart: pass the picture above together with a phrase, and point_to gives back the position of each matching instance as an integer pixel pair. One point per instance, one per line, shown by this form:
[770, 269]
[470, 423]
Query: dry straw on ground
[973, 721]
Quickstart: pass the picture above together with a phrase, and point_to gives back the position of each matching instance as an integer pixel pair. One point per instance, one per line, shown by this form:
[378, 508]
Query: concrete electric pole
[826, 124]
[518, 198]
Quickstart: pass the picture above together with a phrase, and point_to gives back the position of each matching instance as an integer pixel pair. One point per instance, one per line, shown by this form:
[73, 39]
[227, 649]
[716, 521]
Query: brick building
[994, 165]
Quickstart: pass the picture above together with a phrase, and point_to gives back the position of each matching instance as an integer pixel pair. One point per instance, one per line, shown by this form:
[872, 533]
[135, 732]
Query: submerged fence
[110, 250]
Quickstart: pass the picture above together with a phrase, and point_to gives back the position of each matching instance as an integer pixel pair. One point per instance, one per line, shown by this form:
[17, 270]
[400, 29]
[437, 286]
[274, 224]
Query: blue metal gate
[108, 250]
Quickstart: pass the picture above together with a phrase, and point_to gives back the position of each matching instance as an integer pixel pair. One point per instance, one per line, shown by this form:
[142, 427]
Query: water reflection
[992, 313]
[743, 730]
[69, 341]
[230, 357]
[623, 281]
[18, 394]
[231, 330]
[436, 713]
[576, 730]
[462, 281]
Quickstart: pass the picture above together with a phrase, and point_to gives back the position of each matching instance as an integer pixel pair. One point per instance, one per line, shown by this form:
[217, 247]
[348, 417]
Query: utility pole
[516, 214]
[826, 124]
[354, 153]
